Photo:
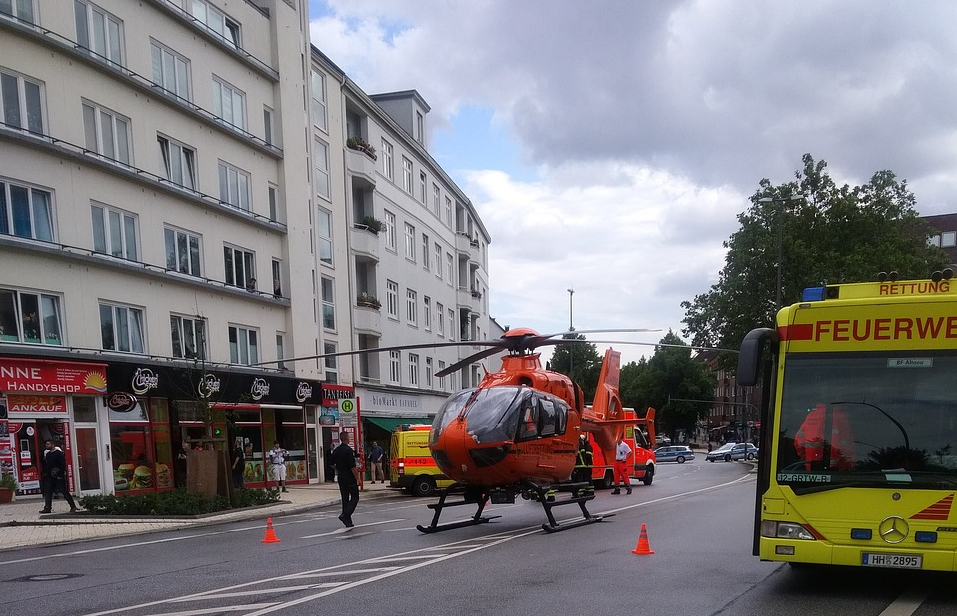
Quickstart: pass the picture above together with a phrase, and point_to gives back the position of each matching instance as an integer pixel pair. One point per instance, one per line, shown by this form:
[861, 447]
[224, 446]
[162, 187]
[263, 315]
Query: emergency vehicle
[411, 466]
[603, 472]
[858, 466]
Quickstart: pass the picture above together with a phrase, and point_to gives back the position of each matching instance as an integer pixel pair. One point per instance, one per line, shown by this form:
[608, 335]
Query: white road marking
[340, 531]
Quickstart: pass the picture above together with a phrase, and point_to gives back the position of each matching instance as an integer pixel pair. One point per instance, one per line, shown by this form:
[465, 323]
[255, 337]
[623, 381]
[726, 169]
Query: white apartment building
[154, 234]
[185, 209]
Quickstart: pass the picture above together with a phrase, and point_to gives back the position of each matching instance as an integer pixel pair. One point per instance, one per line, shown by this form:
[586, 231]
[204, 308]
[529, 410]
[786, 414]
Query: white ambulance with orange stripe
[411, 466]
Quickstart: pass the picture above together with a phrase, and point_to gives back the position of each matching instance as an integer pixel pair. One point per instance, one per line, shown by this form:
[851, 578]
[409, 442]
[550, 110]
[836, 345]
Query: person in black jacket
[347, 474]
[53, 476]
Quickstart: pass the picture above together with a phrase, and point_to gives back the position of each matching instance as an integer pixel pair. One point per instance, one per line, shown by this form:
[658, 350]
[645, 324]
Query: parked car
[662, 440]
[674, 453]
[733, 451]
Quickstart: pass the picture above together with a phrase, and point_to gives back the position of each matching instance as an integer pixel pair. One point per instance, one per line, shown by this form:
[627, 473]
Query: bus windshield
[868, 420]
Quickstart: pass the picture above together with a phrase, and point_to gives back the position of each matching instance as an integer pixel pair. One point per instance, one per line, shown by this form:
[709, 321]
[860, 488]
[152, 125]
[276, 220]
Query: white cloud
[650, 123]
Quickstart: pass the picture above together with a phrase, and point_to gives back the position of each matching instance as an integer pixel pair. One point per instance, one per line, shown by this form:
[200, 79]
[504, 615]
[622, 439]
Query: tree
[828, 235]
[666, 382]
[580, 362]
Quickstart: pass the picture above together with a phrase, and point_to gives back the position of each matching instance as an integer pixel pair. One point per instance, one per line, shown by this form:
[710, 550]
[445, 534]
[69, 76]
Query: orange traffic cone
[643, 547]
[270, 533]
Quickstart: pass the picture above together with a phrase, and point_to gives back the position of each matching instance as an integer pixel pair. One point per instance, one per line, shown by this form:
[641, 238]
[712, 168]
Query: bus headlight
[785, 530]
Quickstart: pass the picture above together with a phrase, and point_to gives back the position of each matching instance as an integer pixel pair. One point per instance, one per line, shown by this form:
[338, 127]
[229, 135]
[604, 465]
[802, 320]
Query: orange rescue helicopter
[517, 433]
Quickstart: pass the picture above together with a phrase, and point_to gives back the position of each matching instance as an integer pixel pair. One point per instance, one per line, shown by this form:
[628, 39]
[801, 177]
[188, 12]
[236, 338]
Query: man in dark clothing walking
[347, 474]
[53, 477]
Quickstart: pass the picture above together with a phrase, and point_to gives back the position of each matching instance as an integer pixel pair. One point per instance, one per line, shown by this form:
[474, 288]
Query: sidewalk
[23, 524]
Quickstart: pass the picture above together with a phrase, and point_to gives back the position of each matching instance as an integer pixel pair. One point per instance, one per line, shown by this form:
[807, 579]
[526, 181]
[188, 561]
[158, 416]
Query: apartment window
[106, 133]
[394, 373]
[97, 30]
[31, 318]
[392, 299]
[324, 227]
[229, 104]
[389, 230]
[328, 303]
[179, 162]
[440, 319]
[423, 184]
[273, 193]
[216, 21]
[234, 186]
[267, 125]
[281, 350]
[388, 164]
[170, 70]
[407, 175]
[276, 278]
[425, 252]
[414, 369]
[21, 102]
[948, 239]
[441, 379]
[438, 261]
[448, 212]
[26, 211]
[409, 242]
[21, 9]
[183, 252]
[436, 199]
[318, 91]
[451, 324]
[419, 127]
[188, 336]
[411, 306]
[331, 363]
[427, 312]
[321, 158]
[121, 328]
[428, 372]
[114, 232]
[240, 267]
[449, 269]
[243, 345]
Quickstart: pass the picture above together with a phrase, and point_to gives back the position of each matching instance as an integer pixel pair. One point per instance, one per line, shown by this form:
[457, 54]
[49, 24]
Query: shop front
[44, 400]
[339, 410]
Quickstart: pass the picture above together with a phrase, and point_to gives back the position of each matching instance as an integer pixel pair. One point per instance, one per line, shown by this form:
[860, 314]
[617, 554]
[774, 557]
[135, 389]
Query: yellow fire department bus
[858, 463]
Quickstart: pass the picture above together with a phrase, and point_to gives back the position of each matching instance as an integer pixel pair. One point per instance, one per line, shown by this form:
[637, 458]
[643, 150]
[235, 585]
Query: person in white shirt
[277, 457]
[623, 456]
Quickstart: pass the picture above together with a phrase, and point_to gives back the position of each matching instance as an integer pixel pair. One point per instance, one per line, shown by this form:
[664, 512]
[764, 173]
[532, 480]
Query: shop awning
[389, 423]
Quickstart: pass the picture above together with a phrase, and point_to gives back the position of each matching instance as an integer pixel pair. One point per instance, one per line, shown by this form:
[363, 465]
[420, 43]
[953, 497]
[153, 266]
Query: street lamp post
[571, 294]
[780, 226]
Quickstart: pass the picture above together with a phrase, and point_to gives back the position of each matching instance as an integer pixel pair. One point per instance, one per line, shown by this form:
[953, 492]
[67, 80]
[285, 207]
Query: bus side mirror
[749, 358]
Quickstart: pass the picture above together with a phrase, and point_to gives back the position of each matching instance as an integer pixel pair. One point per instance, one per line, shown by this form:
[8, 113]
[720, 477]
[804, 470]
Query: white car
[733, 451]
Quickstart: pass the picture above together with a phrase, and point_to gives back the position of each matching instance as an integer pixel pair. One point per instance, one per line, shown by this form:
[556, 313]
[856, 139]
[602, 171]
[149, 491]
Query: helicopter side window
[547, 417]
[528, 426]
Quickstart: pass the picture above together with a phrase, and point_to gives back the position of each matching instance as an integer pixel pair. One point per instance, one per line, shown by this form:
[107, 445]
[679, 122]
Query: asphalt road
[698, 518]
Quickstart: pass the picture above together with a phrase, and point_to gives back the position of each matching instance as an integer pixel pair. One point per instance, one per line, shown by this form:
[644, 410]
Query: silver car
[733, 451]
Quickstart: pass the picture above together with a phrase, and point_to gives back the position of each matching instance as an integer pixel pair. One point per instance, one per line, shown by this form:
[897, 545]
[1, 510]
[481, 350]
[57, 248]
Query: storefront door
[313, 454]
[89, 469]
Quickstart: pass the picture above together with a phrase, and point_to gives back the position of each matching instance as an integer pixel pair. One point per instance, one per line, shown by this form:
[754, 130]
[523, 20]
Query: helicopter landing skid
[470, 496]
[578, 497]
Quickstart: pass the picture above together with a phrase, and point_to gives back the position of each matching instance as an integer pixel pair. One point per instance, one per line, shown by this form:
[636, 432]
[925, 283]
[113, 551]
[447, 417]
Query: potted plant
[368, 301]
[372, 224]
[359, 144]
[8, 487]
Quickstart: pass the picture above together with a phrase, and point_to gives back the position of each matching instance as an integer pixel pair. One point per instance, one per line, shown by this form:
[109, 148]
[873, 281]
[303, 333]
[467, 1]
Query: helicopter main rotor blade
[674, 346]
[468, 360]
[403, 347]
[603, 331]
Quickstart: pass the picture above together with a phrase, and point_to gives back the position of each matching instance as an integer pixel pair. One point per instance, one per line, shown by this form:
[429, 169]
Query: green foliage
[580, 362]
[173, 502]
[831, 234]
[664, 382]
[7, 481]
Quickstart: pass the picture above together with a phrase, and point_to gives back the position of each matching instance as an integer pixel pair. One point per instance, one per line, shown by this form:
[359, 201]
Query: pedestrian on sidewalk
[53, 477]
[277, 457]
[347, 474]
[375, 459]
[239, 463]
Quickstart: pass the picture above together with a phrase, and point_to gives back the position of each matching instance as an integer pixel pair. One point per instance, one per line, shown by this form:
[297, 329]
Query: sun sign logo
[95, 381]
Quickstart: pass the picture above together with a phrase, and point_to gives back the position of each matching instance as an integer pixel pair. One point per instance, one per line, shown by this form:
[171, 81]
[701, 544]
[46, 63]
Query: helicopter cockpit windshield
[504, 413]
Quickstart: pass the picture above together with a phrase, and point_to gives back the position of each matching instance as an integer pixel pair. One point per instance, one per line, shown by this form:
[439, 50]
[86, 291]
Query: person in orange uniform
[623, 456]
[809, 440]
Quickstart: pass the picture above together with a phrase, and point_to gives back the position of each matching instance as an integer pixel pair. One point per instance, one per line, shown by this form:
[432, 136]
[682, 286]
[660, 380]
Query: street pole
[571, 328]
[780, 233]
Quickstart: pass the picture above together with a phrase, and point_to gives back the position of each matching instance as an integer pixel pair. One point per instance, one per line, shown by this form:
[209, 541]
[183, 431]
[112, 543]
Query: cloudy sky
[608, 146]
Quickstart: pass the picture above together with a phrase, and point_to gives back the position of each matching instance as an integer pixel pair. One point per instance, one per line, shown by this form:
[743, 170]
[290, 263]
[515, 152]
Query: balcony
[366, 320]
[467, 298]
[363, 241]
[360, 164]
[468, 245]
